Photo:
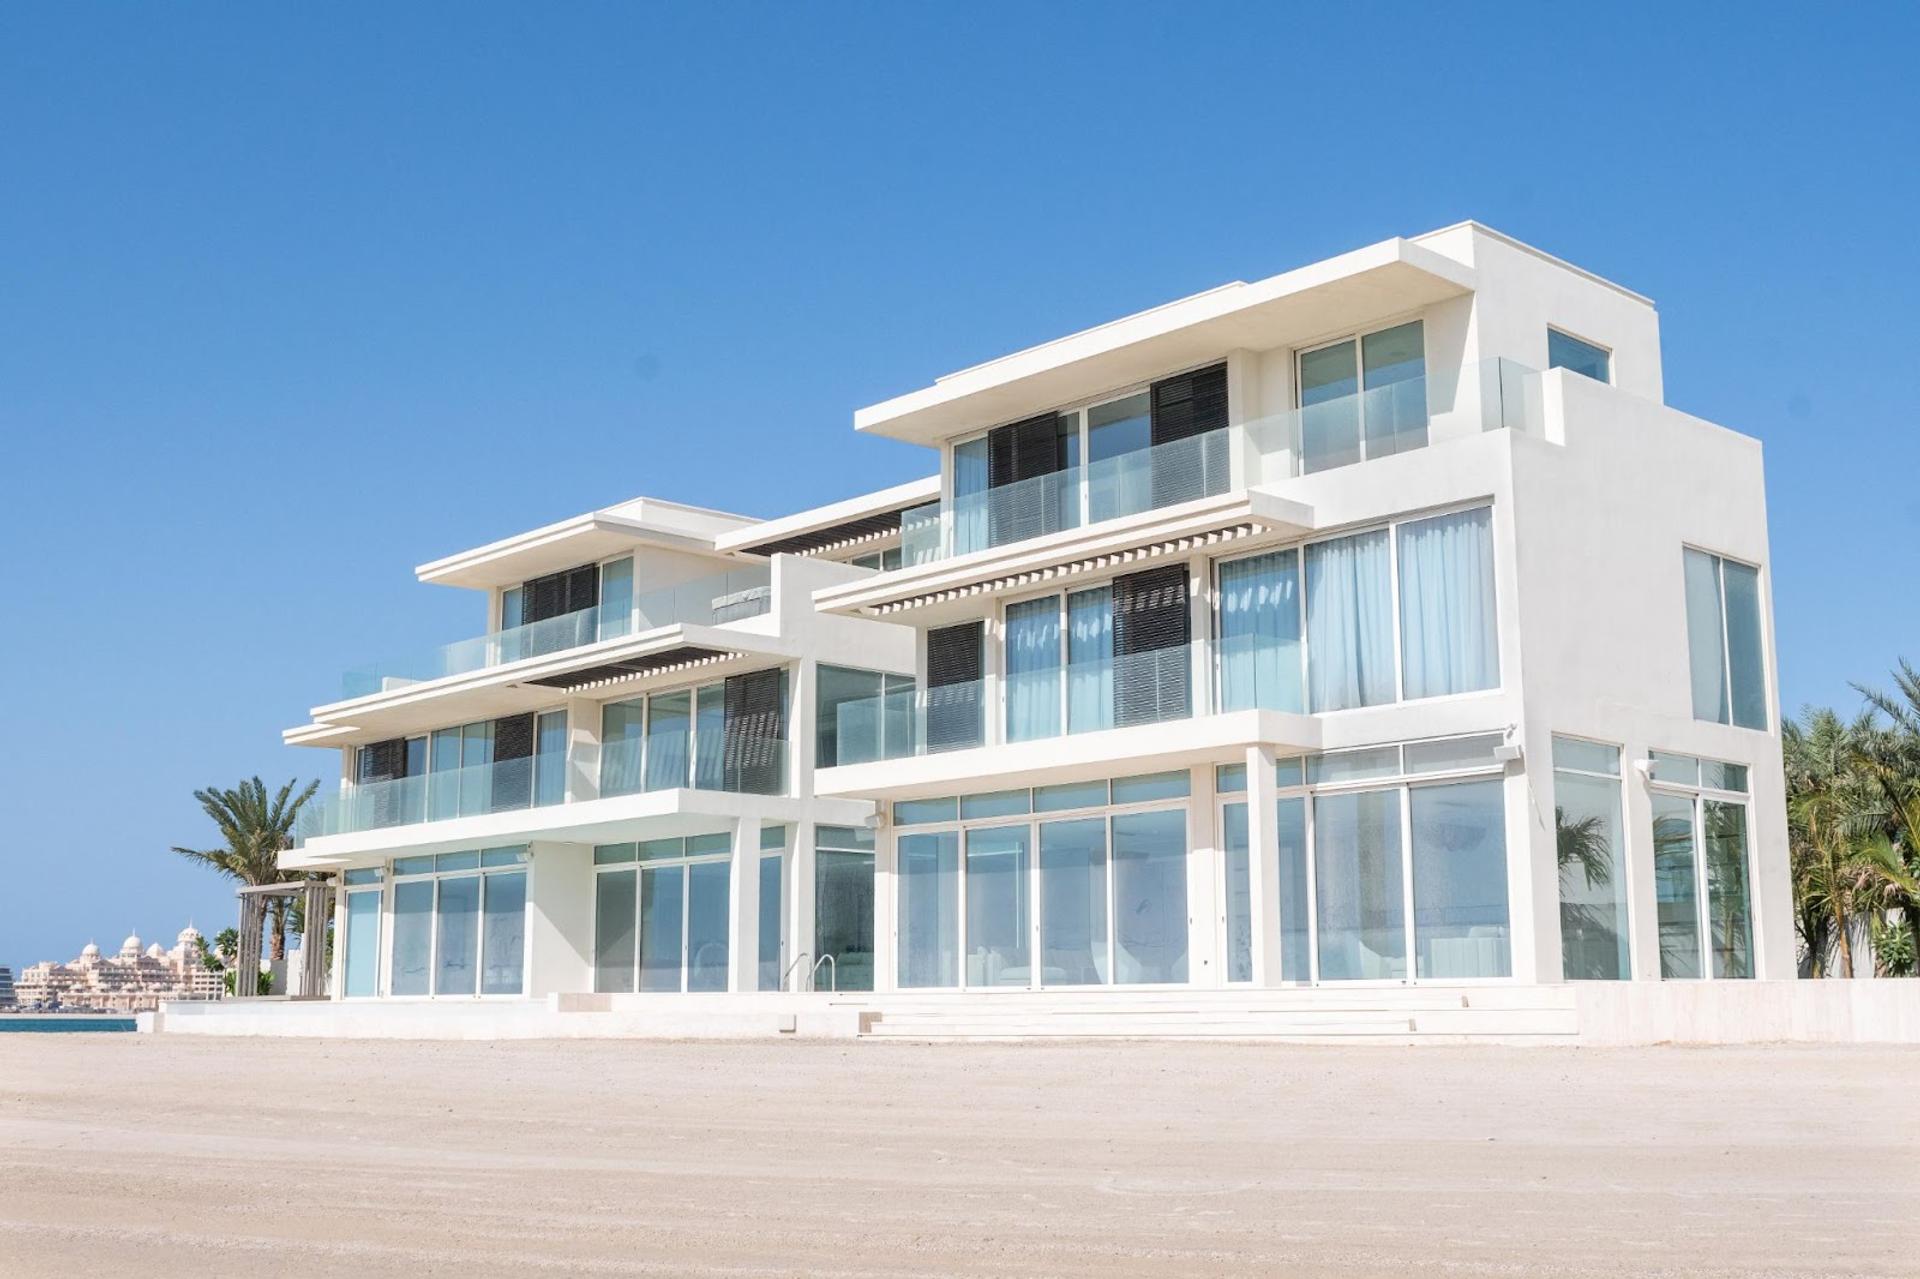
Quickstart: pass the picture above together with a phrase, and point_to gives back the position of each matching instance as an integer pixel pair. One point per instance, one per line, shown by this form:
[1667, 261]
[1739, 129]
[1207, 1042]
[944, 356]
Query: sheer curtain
[1260, 633]
[1090, 660]
[969, 496]
[1349, 622]
[1449, 636]
[1033, 669]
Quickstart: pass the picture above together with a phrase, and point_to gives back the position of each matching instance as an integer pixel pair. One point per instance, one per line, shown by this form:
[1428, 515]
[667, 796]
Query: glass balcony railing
[498, 787]
[1334, 432]
[742, 763]
[1053, 701]
[711, 601]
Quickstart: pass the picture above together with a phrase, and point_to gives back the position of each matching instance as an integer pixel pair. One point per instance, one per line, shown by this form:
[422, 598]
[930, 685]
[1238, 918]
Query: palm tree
[255, 831]
[1832, 814]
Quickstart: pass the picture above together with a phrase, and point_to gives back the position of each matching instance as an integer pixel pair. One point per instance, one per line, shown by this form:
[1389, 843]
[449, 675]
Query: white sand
[140, 1155]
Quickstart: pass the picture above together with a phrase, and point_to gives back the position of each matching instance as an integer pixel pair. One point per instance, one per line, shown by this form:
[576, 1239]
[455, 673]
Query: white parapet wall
[1833, 1011]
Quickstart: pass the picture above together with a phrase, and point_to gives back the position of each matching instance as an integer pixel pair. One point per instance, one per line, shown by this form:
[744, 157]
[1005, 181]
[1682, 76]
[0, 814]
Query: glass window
[1119, 471]
[457, 936]
[1260, 633]
[1294, 899]
[1571, 353]
[457, 861]
[998, 923]
[1460, 880]
[669, 739]
[615, 929]
[1349, 622]
[709, 902]
[550, 764]
[621, 724]
[1395, 402]
[512, 608]
[1090, 660]
[1354, 765]
[613, 854]
[413, 865]
[921, 812]
[1449, 636]
[1329, 408]
[710, 737]
[850, 723]
[363, 943]
[1729, 920]
[1150, 786]
[1239, 887]
[970, 496]
[929, 909]
[1447, 754]
[503, 960]
[1000, 803]
[616, 598]
[1073, 903]
[1592, 865]
[1357, 874]
[843, 918]
[1229, 779]
[412, 938]
[662, 915]
[1069, 795]
[1669, 767]
[773, 957]
[1150, 897]
[1725, 655]
[1729, 777]
[1675, 886]
[1033, 669]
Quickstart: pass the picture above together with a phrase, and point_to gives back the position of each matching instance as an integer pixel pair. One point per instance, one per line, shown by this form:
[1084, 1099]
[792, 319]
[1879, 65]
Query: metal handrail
[833, 972]
[797, 960]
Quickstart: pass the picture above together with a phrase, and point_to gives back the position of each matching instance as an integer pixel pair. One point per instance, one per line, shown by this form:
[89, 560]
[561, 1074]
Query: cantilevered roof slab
[1283, 310]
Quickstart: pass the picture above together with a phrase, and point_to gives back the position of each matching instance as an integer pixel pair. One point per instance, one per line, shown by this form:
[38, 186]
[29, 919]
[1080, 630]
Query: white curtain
[1449, 636]
[1033, 669]
[1260, 633]
[1090, 660]
[1349, 622]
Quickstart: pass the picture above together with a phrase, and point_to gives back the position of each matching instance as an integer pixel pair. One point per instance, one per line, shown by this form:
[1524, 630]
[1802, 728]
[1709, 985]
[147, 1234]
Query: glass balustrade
[707, 601]
[743, 763]
[1488, 395]
[498, 787]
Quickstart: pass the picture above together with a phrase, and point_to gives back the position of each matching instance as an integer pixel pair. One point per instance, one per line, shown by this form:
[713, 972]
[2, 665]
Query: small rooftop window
[1565, 352]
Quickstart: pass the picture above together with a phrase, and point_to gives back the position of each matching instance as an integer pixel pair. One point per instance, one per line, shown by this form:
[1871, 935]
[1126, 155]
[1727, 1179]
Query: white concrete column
[1243, 406]
[743, 943]
[1200, 633]
[1263, 863]
[583, 750]
[560, 887]
[337, 980]
[803, 692]
[1643, 906]
[800, 904]
[993, 644]
[1204, 940]
[886, 896]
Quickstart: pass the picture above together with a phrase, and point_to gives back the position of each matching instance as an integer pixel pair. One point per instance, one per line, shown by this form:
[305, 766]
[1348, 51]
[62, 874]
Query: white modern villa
[1365, 650]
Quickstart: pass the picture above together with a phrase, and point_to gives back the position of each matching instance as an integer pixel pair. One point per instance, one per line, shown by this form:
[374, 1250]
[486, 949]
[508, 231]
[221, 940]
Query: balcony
[713, 601]
[1339, 431]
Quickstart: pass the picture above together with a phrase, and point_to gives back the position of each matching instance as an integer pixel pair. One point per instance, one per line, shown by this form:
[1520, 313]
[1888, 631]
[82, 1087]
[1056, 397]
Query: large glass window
[1295, 899]
[861, 716]
[669, 739]
[503, 956]
[1676, 890]
[666, 926]
[459, 924]
[998, 924]
[456, 940]
[550, 758]
[1449, 636]
[1349, 622]
[1073, 903]
[1592, 860]
[773, 956]
[616, 598]
[1150, 896]
[411, 973]
[1260, 633]
[662, 921]
[1358, 881]
[1033, 669]
[709, 896]
[1564, 352]
[1727, 659]
[1119, 472]
[1377, 409]
[1090, 660]
[1460, 881]
[843, 906]
[929, 906]
[621, 726]
[1729, 919]
[616, 930]
[970, 474]
[362, 966]
[1234, 842]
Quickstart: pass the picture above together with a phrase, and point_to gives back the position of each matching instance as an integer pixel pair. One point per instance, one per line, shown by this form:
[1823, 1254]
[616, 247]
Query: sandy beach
[125, 1154]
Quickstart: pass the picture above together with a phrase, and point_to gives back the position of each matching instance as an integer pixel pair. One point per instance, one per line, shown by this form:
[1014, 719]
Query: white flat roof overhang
[872, 517]
[952, 585]
[1321, 300]
[555, 547]
[593, 670]
[1114, 752]
[652, 815]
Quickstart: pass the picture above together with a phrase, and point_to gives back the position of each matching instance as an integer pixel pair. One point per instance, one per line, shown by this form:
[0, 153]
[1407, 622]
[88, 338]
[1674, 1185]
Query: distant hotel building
[130, 982]
[6, 987]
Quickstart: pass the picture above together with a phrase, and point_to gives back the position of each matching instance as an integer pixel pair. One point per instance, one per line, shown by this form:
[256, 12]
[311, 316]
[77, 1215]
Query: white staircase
[1535, 1014]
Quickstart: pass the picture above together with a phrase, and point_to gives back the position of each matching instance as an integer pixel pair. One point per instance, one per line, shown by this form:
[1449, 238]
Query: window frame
[1623, 861]
[391, 881]
[1700, 795]
[1590, 344]
[1358, 338]
[684, 861]
[1763, 640]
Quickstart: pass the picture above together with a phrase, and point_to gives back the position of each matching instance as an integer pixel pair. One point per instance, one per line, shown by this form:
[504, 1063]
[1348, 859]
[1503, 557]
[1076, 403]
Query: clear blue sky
[295, 298]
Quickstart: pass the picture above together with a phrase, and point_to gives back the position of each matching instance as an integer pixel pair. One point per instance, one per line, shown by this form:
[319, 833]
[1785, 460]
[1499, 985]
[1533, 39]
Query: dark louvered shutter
[1017, 452]
[543, 597]
[379, 768]
[755, 733]
[1150, 634]
[955, 707]
[582, 588]
[512, 763]
[1189, 416]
